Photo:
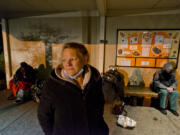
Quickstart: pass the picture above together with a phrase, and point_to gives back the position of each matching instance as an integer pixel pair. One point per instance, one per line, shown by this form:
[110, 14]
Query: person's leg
[174, 102]
[163, 93]
[24, 91]
[13, 89]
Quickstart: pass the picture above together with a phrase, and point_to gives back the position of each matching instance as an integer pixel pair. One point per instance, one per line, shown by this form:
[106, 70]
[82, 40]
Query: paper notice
[123, 43]
[126, 52]
[126, 62]
[133, 40]
[167, 43]
[123, 46]
[159, 39]
[144, 63]
[146, 42]
[133, 47]
[145, 52]
[146, 39]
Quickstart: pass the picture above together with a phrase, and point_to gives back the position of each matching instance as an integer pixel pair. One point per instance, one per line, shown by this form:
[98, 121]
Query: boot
[20, 96]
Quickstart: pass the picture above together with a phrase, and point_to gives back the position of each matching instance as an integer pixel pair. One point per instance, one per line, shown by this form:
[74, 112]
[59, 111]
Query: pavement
[22, 120]
[149, 122]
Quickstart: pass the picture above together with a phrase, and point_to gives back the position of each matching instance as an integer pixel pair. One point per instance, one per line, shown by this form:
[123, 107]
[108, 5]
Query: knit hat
[168, 66]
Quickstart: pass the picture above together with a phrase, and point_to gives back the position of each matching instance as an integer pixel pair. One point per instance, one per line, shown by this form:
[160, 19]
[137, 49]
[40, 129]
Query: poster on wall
[147, 48]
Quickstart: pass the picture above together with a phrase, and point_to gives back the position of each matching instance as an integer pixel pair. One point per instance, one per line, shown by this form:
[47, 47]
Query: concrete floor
[149, 122]
[22, 120]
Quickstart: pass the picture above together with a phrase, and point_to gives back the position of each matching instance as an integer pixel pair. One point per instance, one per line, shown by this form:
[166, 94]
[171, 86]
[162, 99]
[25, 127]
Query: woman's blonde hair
[79, 48]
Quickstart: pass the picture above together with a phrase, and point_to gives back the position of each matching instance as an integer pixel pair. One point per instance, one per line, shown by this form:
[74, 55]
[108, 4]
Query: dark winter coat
[26, 73]
[162, 80]
[65, 110]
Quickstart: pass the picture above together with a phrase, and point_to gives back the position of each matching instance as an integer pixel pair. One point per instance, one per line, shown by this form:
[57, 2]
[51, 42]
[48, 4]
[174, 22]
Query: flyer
[126, 52]
[159, 39]
[133, 40]
[123, 43]
[126, 62]
[146, 42]
[145, 52]
[133, 47]
[146, 38]
[144, 63]
[167, 43]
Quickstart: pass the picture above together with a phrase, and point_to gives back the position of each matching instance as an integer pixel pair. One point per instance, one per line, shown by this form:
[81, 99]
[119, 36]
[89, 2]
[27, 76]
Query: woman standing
[72, 102]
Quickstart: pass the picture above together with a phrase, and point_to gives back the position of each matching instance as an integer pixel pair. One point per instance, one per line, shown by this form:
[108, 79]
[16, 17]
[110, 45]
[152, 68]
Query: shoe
[37, 100]
[11, 97]
[19, 101]
[174, 112]
[163, 111]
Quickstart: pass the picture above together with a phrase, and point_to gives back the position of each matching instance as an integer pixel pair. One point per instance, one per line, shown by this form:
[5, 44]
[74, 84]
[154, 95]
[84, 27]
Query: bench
[144, 92]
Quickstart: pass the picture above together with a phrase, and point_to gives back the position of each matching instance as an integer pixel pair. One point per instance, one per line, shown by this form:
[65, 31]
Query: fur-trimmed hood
[90, 73]
[59, 71]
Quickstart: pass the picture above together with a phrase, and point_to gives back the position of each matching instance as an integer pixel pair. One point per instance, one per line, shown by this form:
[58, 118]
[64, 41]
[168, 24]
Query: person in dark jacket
[165, 83]
[72, 102]
[22, 81]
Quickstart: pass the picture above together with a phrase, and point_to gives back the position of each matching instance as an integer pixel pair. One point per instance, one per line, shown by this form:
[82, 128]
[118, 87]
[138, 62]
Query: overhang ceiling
[24, 8]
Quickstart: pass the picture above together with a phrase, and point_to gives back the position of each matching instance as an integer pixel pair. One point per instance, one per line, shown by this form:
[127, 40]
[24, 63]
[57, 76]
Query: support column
[7, 52]
[102, 41]
[86, 27]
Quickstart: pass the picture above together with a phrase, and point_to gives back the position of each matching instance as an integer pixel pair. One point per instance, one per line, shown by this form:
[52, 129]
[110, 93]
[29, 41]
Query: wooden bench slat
[145, 92]
[135, 91]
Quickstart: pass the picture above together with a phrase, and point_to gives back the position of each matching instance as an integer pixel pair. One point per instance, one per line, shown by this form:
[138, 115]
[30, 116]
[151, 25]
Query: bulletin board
[147, 48]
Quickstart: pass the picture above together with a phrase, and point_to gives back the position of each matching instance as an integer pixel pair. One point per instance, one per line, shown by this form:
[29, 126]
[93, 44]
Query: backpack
[113, 85]
[153, 86]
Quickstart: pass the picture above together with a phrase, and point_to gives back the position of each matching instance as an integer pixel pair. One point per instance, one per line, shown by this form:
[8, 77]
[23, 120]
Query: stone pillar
[7, 50]
[102, 40]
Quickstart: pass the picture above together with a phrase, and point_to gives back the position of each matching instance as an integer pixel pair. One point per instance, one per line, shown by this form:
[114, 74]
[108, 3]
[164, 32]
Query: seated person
[22, 82]
[165, 83]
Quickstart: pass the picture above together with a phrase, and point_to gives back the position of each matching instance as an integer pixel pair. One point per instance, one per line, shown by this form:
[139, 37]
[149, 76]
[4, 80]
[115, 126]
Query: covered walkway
[22, 120]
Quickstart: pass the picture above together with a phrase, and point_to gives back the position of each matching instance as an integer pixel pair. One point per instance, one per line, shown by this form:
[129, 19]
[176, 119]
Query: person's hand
[170, 89]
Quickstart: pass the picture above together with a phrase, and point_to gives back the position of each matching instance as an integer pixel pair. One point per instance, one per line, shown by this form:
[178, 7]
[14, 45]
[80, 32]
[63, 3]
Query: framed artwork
[147, 48]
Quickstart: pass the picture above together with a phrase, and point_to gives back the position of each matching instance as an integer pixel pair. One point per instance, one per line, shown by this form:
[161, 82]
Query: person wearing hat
[165, 84]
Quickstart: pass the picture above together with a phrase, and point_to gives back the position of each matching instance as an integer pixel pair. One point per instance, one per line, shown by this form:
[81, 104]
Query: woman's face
[71, 61]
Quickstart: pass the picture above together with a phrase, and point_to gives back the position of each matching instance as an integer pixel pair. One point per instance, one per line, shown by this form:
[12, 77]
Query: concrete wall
[39, 40]
[137, 22]
[45, 30]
